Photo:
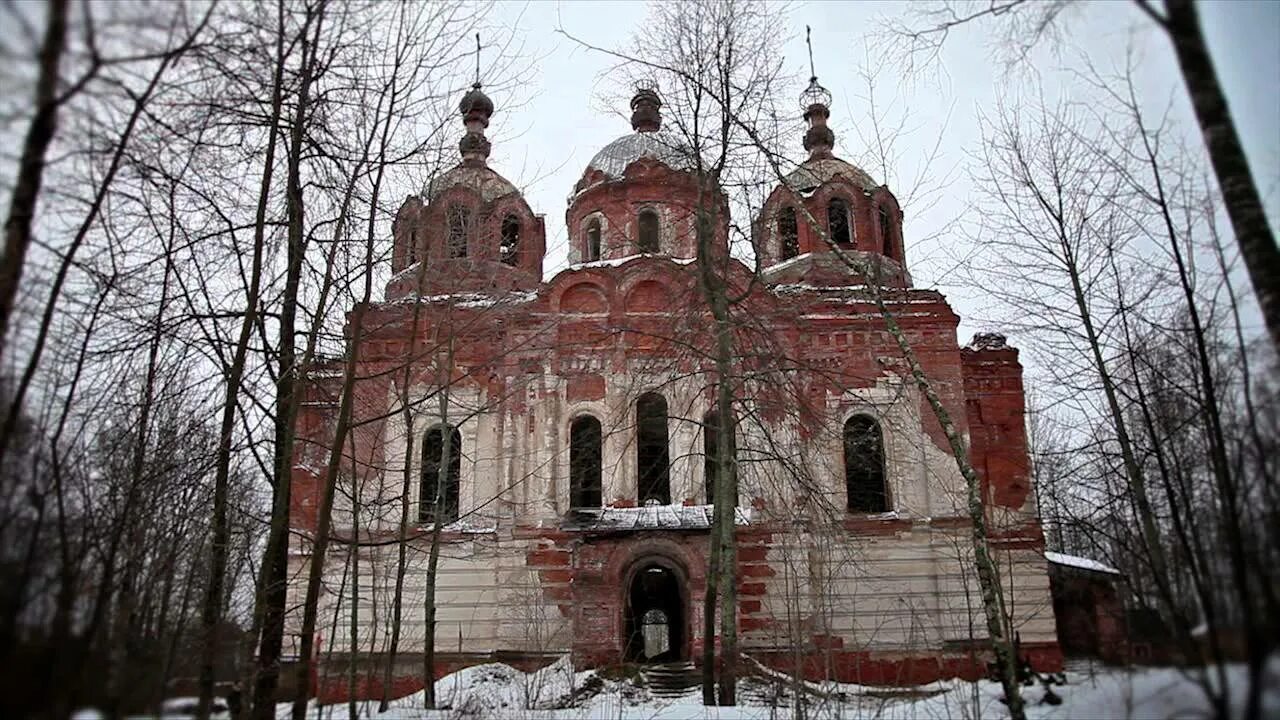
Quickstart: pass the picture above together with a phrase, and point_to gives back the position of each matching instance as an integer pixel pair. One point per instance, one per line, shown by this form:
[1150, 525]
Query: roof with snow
[650, 517]
[1080, 563]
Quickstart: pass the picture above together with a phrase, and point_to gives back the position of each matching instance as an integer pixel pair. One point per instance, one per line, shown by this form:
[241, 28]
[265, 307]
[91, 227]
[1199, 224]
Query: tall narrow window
[647, 237]
[509, 250]
[440, 489]
[413, 247]
[652, 454]
[788, 235]
[886, 232]
[591, 252]
[584, 463]
[838, 221]
[459, 224]
[864, 465]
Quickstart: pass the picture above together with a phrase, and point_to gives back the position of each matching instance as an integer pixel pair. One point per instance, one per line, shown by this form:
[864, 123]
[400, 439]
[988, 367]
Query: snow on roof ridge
[618, 262]
[1083, 563]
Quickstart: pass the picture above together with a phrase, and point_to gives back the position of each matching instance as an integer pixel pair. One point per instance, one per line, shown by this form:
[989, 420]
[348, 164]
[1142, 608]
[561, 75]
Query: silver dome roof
[666, 148]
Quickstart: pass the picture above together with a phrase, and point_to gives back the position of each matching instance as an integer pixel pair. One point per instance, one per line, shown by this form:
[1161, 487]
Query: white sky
[560, 118]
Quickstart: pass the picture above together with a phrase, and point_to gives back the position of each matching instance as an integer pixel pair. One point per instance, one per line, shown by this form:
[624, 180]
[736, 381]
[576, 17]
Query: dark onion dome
[474, 143]
[475, 101]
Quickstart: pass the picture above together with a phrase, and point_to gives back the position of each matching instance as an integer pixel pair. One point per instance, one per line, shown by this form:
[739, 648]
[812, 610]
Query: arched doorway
[655, 619]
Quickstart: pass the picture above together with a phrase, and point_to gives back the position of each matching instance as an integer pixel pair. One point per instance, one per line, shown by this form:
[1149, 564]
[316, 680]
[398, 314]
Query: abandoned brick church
[564, 432]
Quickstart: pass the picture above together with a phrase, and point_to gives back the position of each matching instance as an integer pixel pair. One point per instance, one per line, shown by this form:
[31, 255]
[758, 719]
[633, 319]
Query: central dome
[666, 148]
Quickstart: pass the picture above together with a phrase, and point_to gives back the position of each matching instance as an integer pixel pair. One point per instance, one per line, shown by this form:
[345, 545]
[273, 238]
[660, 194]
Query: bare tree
[1022, 25]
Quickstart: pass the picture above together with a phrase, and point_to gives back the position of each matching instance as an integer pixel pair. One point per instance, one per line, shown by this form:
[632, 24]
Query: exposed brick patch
[876, 526]
[585, 387]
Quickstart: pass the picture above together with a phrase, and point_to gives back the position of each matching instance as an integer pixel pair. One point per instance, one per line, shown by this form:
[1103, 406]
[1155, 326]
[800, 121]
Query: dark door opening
[655, 622]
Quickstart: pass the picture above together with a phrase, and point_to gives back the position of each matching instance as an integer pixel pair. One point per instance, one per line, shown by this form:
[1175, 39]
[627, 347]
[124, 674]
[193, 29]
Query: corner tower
[827, 195]
[471, 230]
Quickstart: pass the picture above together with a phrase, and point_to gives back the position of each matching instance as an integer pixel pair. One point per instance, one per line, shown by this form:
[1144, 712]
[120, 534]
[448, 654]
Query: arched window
[788, 234]
[440, 489]
[886, 231]
[647, 234]
[584, 463]
[591, 252]
[838, 221]
[509, 249]
[652, 455]
[864, 465]
[459, 224]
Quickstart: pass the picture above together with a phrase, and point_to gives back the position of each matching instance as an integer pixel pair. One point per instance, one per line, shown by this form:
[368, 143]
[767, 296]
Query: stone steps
[670, 679]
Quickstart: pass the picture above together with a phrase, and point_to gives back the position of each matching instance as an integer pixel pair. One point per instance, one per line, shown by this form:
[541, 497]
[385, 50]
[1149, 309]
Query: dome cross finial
[813, 74]
[476, 109]
[816, 101]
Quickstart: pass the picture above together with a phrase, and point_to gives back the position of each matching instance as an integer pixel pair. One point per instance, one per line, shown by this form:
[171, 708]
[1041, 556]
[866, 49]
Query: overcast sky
[563, 119]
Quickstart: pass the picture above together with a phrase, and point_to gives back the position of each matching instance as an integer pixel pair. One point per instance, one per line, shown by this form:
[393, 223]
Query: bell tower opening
[654, 615]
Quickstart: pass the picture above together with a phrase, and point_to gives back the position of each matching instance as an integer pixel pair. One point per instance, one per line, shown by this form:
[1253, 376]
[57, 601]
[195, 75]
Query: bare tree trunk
[211, 612]
[138, 110]
[722, 575]
[433, 557]
[406, 480]
[353, 551]
[1229, 510]
[26, 188]
[709, 612]
[1239, 193]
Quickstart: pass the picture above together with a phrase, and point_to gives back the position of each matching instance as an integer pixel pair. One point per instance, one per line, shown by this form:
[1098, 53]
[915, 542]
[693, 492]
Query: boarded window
[652, 453]
[788, 234]
[459, 227]
[838, 221]
[886, 231]
[509, 249]
[440, 489]
[864, 465]
[591, 252]
[647, 238]
[584, 463]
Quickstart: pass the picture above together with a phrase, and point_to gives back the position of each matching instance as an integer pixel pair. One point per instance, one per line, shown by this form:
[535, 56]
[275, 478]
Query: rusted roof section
[651, 517]
[482, 179]
[815, 172]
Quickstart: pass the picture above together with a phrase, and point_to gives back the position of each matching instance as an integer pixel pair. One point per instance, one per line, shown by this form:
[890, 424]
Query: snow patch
[558, 692]
[619, 262]
[1083, 563]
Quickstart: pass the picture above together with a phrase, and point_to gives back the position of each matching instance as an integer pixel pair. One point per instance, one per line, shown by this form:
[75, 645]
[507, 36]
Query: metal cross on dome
[815, 94]
[477, 60]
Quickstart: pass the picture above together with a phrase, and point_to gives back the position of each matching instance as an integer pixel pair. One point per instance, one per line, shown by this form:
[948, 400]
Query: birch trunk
[26, 188]
[1230, 165]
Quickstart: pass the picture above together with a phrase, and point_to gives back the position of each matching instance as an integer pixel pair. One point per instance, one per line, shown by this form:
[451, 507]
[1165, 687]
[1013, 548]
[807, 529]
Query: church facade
[564, 434]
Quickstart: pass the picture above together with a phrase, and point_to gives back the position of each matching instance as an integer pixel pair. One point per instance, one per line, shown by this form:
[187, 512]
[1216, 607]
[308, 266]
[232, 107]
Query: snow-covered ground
[559, 693]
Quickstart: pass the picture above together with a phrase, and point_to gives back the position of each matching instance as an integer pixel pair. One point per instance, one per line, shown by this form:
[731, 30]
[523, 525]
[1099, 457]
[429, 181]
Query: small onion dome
[474, 144]
[475, 105]
[476, 108]
[819, 139]
[646, 105]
